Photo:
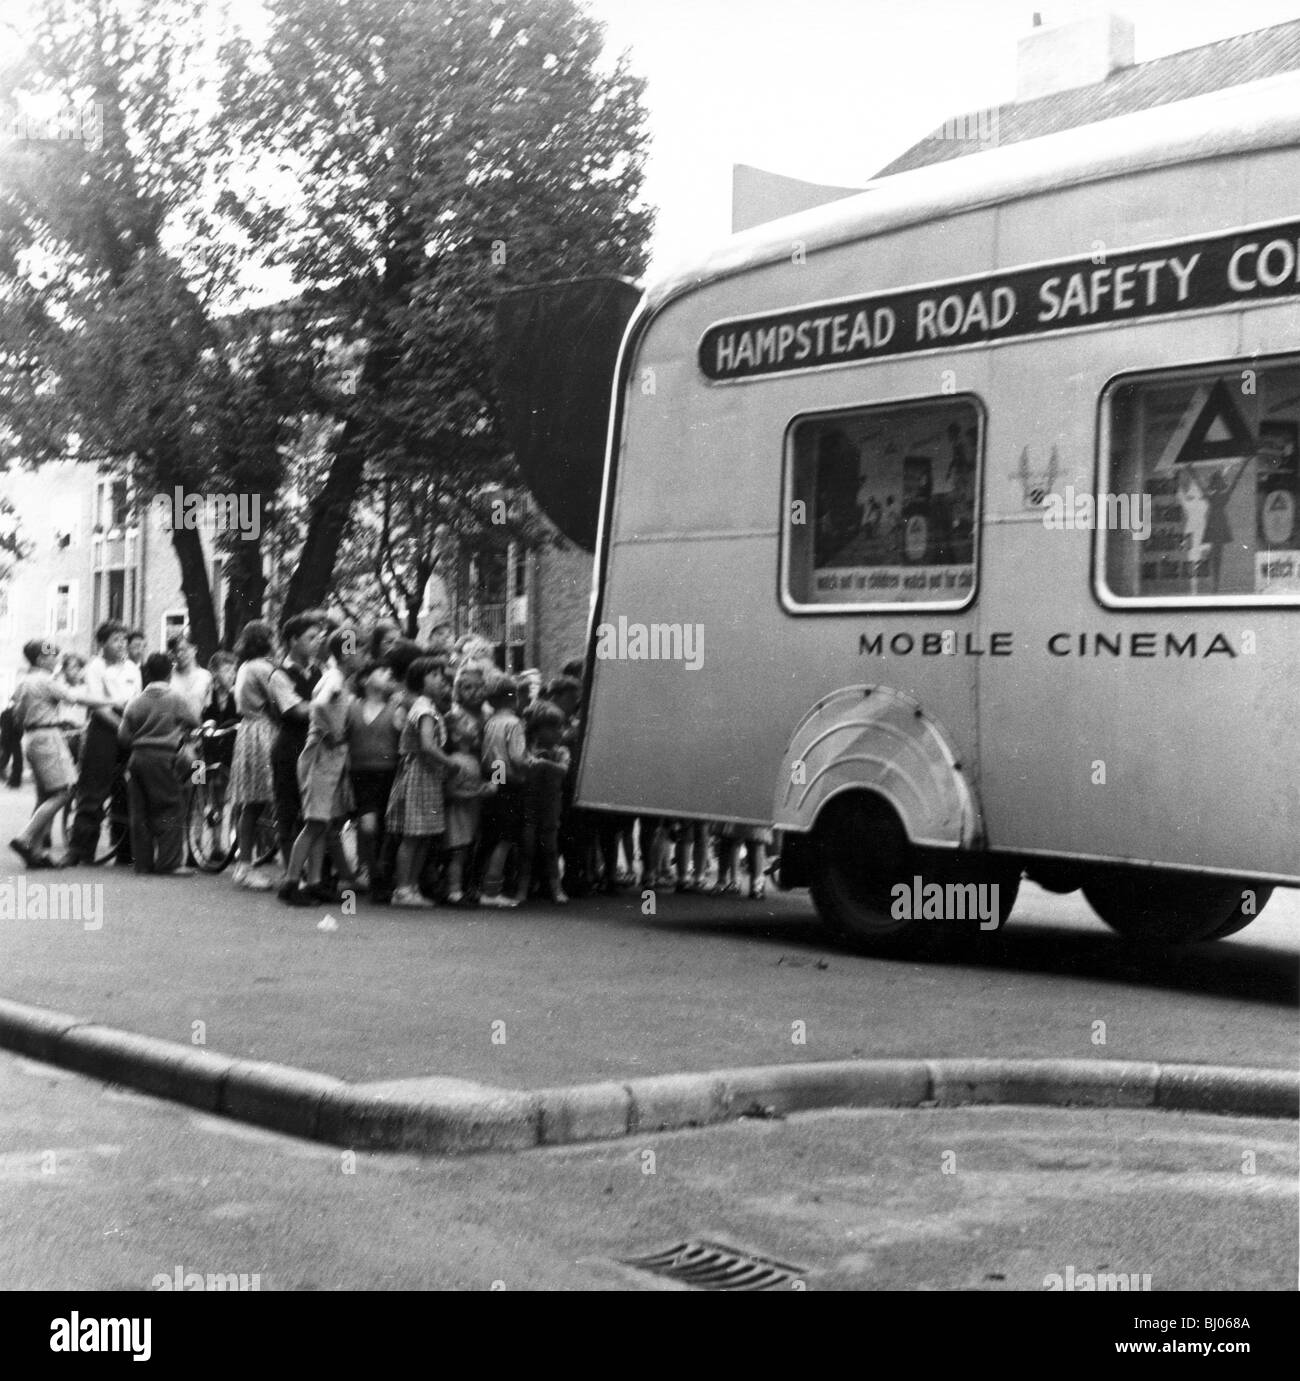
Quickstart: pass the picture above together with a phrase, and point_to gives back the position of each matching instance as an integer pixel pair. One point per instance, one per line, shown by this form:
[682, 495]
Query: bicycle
[114, 825]
[114, 822]
[210, 827]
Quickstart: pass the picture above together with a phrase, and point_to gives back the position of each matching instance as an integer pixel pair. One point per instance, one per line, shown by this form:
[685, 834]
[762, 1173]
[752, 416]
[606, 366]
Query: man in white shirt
[188, 677]
[114, 677]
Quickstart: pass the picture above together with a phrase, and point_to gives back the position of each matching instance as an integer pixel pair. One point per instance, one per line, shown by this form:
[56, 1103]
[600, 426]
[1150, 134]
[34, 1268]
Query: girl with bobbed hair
[256, 639]
[382, 636]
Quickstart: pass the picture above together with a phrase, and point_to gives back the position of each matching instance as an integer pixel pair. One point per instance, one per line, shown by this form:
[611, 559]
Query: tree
[409, 529]
[277, 391]
[439, 151]
[115, 262]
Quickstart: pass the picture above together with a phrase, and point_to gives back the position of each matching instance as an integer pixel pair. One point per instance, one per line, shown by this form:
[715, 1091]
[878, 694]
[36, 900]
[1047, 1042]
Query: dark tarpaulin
[556, 349]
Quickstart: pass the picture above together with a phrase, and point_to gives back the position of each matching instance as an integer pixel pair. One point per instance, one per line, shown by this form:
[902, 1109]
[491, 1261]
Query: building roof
[1193, 72]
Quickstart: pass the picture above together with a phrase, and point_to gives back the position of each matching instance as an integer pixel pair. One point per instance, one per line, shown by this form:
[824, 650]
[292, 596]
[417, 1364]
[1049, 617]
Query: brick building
[91, 559]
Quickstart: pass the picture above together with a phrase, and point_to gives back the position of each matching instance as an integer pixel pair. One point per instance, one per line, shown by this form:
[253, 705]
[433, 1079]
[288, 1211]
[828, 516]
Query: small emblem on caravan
[1035, 488]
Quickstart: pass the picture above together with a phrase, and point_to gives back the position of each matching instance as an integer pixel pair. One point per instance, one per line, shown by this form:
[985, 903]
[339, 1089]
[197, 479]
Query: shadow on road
[1258, 972]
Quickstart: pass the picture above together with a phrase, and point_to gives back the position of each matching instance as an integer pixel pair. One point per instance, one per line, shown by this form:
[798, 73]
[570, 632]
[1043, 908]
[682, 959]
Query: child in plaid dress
[416, 810]
[465, 793]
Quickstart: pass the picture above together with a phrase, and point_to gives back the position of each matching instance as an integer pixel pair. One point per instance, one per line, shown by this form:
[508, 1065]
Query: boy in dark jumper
[152, 728]
[543, 795]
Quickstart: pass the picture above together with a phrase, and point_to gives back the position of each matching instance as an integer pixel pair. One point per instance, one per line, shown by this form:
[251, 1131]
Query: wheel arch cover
[875, 738]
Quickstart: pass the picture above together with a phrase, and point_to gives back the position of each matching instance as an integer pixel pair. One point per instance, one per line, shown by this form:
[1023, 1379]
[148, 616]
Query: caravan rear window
[882, 506]
[1206, 462]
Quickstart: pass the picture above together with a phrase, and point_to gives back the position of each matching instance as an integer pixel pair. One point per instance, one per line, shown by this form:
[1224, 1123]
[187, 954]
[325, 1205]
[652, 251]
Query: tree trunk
[309, 585]
[245, 589]
[413, 618]
[310, 582]
[188, 546]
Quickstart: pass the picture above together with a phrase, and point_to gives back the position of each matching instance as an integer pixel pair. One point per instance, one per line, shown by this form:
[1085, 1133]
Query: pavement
[102, 1189]
[464, 1030]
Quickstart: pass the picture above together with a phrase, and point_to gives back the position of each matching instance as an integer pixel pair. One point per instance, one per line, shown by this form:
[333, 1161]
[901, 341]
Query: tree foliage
[439, 151]
[114, 266]
[402, 161]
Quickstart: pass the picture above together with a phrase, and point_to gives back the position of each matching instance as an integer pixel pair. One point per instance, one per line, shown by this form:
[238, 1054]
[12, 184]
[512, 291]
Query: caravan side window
[1200, 486]
[882, 506]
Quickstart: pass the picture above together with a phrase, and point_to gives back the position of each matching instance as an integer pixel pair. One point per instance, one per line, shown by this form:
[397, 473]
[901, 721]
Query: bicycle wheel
[210, 827]
[113, 827]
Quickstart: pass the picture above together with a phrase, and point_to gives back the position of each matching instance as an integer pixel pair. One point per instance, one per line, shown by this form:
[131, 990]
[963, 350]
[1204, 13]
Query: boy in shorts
[37, 717]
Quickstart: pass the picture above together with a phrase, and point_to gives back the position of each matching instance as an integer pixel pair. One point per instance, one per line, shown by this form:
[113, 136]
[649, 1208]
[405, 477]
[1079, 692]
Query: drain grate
[711, 1266]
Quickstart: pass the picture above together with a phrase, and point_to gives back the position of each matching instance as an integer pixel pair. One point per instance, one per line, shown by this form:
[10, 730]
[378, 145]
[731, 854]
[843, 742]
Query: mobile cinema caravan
[954, 529]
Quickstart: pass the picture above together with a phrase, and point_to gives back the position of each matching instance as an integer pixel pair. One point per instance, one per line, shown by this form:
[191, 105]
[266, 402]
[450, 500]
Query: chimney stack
[1079, 52]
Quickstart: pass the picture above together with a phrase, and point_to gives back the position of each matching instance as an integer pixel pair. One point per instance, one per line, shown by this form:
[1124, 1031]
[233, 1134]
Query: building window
[116, 606]
[115, 553]
[173, 622]
[497, 606]
[882, 507]
[61, 610]
[67, 523]
[112, 509]
[1200, 485]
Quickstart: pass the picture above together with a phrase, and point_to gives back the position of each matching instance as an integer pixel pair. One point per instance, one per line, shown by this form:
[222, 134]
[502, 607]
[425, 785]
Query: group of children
[458, 778]
[446, 773]
[81, 721]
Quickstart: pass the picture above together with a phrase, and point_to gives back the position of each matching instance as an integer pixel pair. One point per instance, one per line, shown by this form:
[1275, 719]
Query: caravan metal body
[972, 500]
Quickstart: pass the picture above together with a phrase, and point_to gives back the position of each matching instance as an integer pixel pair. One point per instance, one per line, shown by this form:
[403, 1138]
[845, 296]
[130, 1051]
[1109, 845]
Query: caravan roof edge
[1258, 115]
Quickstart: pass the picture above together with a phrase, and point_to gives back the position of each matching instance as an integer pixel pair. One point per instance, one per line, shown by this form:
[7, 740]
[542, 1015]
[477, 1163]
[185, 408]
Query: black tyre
[1148, 905]
[861, 857]
[859, 854]
[1241, 918]
[1060, 878]
[210, 828]
[114, 826]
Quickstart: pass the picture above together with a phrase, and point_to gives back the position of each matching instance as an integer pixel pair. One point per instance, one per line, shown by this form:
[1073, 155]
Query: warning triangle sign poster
[1217, 457]
[1219, 432]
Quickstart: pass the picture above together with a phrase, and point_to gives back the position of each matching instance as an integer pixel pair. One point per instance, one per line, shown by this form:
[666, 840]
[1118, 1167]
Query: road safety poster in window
[883, 506]
[1217, 457]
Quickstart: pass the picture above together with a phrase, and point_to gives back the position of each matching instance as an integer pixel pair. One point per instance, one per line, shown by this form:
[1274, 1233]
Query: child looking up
[219, 706]
[415, 808]
[505, 765]
[372, 760]
[465, 793]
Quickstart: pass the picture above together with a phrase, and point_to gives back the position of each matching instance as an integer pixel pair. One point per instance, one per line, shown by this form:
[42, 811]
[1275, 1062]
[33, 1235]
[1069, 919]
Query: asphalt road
[543, 996]
[104, 1189]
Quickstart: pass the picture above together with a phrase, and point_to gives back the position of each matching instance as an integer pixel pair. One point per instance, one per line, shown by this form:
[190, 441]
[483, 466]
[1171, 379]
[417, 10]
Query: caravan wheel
[861, 853]
[1173, 908]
